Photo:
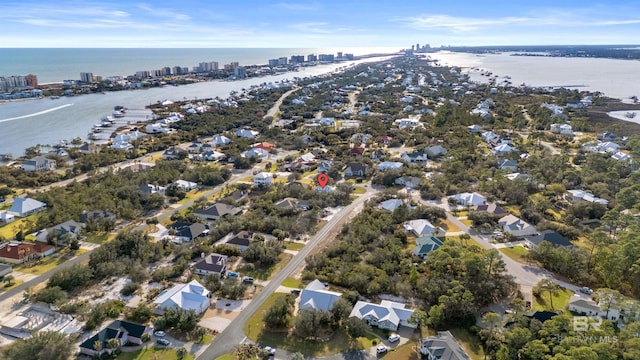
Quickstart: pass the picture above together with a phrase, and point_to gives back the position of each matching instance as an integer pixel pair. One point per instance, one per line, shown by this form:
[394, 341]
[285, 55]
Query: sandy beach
[626, 115]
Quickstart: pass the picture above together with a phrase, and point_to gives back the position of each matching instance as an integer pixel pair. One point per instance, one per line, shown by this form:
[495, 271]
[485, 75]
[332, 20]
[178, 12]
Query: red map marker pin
[323, 180]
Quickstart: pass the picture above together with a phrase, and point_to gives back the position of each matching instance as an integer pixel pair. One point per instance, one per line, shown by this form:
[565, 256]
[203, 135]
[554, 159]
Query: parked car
[270, 350]
[159, 333]
[232, 274]
[296, 292]
[163, 342]
[586, 290]
[381, 349]
[248, 280]
[393, 338]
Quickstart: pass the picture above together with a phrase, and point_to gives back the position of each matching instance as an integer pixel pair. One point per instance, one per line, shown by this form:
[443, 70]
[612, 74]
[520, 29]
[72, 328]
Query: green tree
[356, 327]
[50, 345]
[181, 353]
[309, 323]
[9, 280]
[492, 320]
[550, 287]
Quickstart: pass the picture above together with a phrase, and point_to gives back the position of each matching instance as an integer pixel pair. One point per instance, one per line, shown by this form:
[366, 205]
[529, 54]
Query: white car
[393, 338]
[381, 349]
[270, 350]
[159, 333]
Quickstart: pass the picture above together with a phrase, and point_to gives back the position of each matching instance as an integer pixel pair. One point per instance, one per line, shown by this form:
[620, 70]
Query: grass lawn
[99, 238]
[515, 210]
[560, 300]
[10, 230]
[467, 222]
[294, 246]
[292, 283]
[556, 215]
[449, 226]
[359, 190]
[517, 253]
[45, 265]
[148, 353]
[407, 351]
[255, 330]
[469, 342]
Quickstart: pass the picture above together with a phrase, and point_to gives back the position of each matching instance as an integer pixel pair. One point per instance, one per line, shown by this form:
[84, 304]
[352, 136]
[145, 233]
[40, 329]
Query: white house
[191, 296]
[316, 297]
[422, 227]
[387, 315]
[245, 133]
[391, 204]
[390, 165]
[263, 179]
[185, 185]
[516, 226]
[562, 129]
[474, 129]
[620, 156]
[258, 152]
[39, 163]
[220, 140]
[581, 195]
[503, 149]
[469, 199]
[583, 306]
[407, 123]
[22, 207]
[6, 218]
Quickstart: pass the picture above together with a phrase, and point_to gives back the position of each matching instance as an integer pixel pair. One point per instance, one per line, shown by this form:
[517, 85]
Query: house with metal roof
[316, 297]
[191, 296]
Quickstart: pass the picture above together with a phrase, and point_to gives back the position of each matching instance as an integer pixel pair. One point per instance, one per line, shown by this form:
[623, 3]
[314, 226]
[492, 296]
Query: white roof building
[191, 296]
[422, 227]
[387, 315]
[316, 297]
[219, 140]
[469, 199]
[25, 207]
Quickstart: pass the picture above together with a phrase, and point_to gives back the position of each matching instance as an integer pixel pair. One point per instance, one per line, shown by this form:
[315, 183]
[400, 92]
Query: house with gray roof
[66, 230]
[316, 297]
[442, 346]
[217, 211]
[39, 163]
[434, 152]
[422, 227]
[22, 207]
[211, 264]
[386, 315]
[191, 296]
[516, 226]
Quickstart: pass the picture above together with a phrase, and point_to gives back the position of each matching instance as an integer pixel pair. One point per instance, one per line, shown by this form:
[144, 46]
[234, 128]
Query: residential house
[357, 151]
[186, 232]
[257, 152]
[195, 148]
[19, 252]
[503, 149]
[316, 297]
[87, 216]
[407, 123]
[422, 227]
[390, 165]
[581, 195]
[553, 237]
[148, 189]
[125, 332]
[246, 133]
[383, 139]
[584, 307]
[22, 207]
[211, 264]
[434, 152]
[191, 296]
[516, 227]
[387, 315]
[213, 155]
[6, 218]
[411, 182]
[172, 153]
[518, 176]
[562, 129]
[327, 121]
[491, 209]
[354, 170]
[392, 204]
[489, 136]
[508, 165]
[241, 240]
[415, 157]
[620, 156]
[442, 346]
[265, 146]
[474, 129]
[185, 185]
[263, 179]
[286, 203]
[217, 211]
[39, 163]
[378, 154]
[324, 166]
[62, 232]
[425, 245]
[468, 199]
[89, 148]
[220, 140]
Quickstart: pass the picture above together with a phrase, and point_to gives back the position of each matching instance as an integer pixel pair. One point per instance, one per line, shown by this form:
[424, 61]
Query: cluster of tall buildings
[311, 58]
[16, 82]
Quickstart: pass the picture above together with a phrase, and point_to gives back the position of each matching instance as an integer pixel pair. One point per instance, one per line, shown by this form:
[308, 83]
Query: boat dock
[122, 117]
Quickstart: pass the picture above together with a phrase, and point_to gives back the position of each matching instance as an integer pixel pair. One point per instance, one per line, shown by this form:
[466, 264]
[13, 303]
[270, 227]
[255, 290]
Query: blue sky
[327, 23]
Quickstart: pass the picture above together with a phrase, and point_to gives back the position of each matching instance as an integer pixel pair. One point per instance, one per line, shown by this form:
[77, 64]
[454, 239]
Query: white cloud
[297, 6]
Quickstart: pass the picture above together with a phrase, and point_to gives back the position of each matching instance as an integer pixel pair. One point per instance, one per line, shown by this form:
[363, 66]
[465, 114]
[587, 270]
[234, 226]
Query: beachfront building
[38, 163]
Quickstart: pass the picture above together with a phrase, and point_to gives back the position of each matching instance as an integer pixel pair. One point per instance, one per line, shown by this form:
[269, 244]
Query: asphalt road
[233, 335]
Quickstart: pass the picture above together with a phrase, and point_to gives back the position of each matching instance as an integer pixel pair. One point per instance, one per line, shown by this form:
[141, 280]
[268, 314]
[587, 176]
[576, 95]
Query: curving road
[233, 335]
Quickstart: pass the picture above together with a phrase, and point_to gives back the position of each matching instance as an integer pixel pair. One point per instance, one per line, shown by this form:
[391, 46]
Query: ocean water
[55, 65]
[46, 121]
[618, 79]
